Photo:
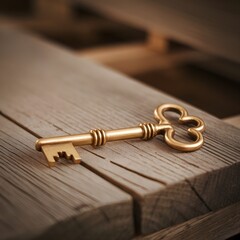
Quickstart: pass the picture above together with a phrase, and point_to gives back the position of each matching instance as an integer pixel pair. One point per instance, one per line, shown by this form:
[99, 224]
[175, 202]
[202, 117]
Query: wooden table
[123, 190]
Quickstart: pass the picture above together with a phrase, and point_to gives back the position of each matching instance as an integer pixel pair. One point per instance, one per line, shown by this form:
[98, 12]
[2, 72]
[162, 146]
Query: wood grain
[208, 26]
[68, 201]
[50, 91]
[219, 225]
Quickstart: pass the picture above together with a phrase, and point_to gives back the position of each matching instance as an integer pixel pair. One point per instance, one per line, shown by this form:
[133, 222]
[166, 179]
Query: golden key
[63, 146]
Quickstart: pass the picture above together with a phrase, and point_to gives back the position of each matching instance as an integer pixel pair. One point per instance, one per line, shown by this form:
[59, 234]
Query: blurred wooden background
[198, 64]
[205, 80]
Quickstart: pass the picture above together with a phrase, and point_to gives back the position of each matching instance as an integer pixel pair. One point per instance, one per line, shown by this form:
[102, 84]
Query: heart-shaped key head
[195, 132]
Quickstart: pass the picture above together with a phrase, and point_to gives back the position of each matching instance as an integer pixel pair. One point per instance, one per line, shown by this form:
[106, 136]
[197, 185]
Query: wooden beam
[50, 91]
[77, 34]
[207, 26]
[53, 10]
[137, 58]
[156, 42]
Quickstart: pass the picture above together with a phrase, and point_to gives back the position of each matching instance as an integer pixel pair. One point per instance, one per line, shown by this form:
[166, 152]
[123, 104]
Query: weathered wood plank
[65, 202]
[54, 92]
[218, 225]
[208, 26]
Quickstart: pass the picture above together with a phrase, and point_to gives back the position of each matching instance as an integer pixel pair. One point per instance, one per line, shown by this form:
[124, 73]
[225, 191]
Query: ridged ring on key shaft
[149, 130]
[99, 137]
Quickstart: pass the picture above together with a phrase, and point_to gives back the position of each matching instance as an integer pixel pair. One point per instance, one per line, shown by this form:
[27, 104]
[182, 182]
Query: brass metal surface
[63, 146]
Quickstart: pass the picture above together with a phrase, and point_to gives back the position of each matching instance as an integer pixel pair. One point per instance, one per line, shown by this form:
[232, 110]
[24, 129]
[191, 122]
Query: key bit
[63, 146]
[54, 152]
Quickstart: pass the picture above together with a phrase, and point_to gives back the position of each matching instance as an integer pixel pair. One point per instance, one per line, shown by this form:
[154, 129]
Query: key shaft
[98, 137]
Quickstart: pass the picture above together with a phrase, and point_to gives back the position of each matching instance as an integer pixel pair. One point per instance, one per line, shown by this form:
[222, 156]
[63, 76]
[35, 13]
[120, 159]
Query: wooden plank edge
[215, 225]
[166, 207]
[233, 120]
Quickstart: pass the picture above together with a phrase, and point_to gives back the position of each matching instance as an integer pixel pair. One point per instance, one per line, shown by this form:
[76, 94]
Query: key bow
[194, 132]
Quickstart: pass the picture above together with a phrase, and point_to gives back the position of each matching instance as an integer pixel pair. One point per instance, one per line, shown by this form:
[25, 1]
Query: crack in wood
[19, 124]
[136, 198]
[138, 173]
[198, 195]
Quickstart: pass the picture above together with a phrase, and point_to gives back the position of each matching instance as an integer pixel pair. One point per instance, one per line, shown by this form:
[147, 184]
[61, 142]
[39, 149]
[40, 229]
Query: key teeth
[66, 150]
[76, 161]
[52, 164]
[73, 156]
[65, 155]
